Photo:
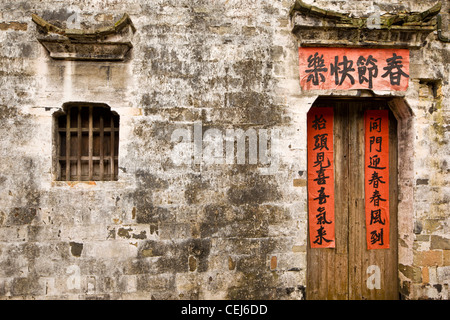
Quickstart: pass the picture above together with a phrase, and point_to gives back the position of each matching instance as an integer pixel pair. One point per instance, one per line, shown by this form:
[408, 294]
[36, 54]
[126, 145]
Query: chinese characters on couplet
[321, 177]
[354, 68]
[376, 178]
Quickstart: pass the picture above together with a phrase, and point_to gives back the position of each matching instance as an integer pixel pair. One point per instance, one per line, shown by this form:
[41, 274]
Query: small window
[87, 143]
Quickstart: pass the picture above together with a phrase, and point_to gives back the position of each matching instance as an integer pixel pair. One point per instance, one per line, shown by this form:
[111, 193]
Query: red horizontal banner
[354, 68]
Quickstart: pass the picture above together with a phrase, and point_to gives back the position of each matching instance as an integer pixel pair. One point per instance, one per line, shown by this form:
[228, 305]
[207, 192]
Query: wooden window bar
[88, 144]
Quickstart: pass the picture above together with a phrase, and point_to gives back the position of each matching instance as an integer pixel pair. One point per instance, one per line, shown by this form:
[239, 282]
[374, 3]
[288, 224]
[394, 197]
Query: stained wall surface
[184, 221]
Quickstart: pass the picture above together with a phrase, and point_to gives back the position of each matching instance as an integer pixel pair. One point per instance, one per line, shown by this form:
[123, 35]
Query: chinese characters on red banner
[376, 176]
[321, 178]
[354, 68]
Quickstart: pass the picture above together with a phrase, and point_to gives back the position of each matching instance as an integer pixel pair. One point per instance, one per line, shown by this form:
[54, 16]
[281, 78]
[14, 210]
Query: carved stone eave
[109, 43]
[318, 27]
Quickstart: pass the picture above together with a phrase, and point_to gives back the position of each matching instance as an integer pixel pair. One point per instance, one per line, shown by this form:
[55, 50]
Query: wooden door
[350, 271]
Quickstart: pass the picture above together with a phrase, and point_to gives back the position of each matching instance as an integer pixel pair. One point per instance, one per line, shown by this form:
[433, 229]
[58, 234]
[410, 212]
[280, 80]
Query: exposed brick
[413, 273]
[425, 275]
[273, 262]
[192, 263]
[299, 182]
[428, 258]
[446, 257]
[438, 242]
[14, 25]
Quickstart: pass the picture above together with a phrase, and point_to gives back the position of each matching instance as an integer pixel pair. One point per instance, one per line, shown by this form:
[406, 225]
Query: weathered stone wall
[167, 230]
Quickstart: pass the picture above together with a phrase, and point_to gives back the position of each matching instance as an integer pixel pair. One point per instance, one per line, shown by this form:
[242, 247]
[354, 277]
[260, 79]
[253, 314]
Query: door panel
[350, 271]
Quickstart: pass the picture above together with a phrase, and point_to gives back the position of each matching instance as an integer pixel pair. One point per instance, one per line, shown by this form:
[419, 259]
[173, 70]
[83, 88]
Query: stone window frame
[90, 125]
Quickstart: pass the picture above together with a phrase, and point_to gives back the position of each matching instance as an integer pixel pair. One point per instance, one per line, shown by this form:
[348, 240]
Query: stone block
[428, 258]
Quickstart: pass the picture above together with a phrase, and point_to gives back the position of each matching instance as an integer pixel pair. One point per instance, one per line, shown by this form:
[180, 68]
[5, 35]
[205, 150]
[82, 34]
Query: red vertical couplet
[321, 178]
[376, 176]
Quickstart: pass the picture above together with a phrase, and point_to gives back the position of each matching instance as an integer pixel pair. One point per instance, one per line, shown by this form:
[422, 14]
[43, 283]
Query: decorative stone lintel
[109, 43]
[314, 26]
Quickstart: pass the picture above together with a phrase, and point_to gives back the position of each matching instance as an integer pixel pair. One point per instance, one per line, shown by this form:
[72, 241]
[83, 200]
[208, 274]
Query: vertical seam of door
[347, 195]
